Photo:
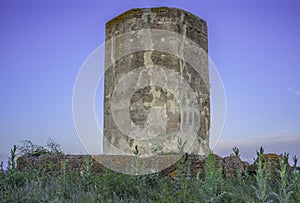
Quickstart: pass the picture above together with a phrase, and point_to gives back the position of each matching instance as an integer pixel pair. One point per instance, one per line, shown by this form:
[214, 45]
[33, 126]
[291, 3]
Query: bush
[29, 148]
[110, 186]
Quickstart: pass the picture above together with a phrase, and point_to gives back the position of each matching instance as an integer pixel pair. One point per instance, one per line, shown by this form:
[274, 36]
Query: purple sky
[255, 45]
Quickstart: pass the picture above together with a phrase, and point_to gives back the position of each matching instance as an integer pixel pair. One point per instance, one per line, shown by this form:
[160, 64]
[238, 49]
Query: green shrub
[30, 148]
[213, 180]
[212, 186]
[261, 188]
[12, 159]
[236, 152]
[284, 191]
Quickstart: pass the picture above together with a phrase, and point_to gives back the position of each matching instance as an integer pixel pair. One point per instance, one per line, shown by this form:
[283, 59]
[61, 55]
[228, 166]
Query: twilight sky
[255, 45]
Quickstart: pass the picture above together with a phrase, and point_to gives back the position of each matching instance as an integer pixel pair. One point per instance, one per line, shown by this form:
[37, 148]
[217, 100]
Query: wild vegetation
[37, 185]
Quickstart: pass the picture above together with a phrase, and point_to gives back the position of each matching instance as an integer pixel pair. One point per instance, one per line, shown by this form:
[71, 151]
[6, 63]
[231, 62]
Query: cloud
[289, 89]
[293, 90]
[277, 143]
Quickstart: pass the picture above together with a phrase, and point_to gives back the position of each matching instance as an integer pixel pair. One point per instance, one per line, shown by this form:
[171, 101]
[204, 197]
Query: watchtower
[156, 82]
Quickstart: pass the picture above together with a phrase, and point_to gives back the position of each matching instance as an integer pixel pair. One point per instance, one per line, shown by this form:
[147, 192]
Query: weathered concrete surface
[156, 112]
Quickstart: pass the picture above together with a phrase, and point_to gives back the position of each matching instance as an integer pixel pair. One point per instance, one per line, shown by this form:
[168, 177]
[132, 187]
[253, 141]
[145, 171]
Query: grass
[35, 185]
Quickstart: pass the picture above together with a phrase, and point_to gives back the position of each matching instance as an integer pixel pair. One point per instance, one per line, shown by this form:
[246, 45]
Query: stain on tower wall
[152, 108]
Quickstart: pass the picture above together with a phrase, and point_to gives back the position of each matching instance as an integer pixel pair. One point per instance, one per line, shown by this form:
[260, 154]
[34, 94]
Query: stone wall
[156, 82]
[75, 163]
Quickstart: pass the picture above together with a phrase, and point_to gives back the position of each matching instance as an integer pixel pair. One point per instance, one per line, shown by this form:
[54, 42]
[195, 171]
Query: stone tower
[156, 83]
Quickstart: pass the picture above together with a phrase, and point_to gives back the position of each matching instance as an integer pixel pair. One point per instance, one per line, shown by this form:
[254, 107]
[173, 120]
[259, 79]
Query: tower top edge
[139, 12]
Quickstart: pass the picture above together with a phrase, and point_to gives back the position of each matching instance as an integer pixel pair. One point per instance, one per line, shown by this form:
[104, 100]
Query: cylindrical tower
[156, 93]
